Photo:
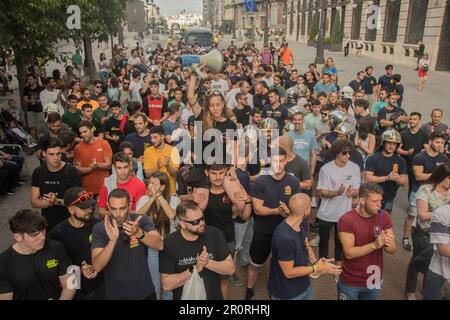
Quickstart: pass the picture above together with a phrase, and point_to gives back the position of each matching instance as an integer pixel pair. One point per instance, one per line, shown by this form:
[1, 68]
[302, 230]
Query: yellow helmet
[391, 135]
[268, 124]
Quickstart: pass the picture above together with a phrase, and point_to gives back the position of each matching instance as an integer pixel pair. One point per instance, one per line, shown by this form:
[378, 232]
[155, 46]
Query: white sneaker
[315, 241]
[313, 202]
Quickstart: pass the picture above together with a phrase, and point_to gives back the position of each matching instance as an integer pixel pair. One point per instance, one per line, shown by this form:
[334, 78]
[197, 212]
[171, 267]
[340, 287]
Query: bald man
[296, 165]
[293, 260]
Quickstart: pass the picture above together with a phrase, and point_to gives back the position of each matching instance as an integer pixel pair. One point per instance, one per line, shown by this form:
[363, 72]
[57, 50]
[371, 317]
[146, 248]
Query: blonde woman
[424, 65]
[329, 67]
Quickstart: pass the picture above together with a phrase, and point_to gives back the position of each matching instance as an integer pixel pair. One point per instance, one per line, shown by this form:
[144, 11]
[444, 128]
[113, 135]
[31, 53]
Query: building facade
[388, 28]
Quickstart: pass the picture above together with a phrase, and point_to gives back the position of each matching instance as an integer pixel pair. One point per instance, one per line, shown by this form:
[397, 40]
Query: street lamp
[233, 2]
[266, 23]
[321, 36]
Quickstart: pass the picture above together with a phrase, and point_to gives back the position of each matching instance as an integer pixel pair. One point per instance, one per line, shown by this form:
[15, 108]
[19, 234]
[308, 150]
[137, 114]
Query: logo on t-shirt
[53, 263]
[287, 191]
[225, 199]
[90, 238]
[134, 242]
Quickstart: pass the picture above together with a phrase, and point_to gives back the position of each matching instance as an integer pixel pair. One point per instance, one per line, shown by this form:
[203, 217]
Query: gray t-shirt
[442, 127]
[299, 168]
[440, 234]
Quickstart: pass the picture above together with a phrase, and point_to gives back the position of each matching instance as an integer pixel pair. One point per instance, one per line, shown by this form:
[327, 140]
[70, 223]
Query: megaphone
[213, 60]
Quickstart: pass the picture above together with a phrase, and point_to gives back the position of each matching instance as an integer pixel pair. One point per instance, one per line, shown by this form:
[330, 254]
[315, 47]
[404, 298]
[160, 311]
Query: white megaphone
[213, 60]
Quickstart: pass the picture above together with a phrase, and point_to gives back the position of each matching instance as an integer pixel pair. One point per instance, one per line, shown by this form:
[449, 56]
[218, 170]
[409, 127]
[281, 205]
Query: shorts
[35, 119]
[231, 248]
[260, 249]
[422, 74]
[412, 207]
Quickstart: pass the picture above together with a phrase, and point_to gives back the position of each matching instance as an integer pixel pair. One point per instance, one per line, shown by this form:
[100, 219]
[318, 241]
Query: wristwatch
[141, 235]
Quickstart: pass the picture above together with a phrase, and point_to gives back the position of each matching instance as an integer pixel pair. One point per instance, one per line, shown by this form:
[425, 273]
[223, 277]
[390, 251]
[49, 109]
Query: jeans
[324, 234]
[412, 273]
[16, 163]
[103, 75]
[411, 180]
[346, 292]
[153, 265]
[433, 286]
[243, 234]
[346, 50]
[307, 295]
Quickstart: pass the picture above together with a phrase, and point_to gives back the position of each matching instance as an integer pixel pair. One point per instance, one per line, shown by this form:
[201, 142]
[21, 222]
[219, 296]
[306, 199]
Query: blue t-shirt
[331, 70]
[303, 143]
[288, 245]
[169, 127]
[273, 191]
[139, 143]
[320, 87]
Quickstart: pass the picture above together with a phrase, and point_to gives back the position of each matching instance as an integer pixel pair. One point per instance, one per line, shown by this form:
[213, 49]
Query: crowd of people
[159, 178]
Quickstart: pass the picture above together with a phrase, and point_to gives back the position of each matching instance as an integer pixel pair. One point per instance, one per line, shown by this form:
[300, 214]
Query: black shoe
[249, 294]
[10, 193]
[23, 182]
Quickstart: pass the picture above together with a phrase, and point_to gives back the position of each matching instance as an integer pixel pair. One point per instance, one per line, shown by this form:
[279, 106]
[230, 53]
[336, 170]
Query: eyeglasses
[195, 222]
[215, 92]
[83, 197]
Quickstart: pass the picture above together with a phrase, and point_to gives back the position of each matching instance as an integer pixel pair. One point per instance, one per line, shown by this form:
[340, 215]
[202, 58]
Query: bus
[203, 36]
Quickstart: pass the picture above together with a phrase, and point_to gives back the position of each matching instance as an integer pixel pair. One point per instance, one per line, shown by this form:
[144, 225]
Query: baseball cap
[79, 197]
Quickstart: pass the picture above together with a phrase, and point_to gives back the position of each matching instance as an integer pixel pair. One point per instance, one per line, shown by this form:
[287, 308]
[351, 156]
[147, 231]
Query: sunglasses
[345, 153]
[126, 83]
[83, 197]
[99, 86]
[324, 114]
[215, 92]
[195, 222]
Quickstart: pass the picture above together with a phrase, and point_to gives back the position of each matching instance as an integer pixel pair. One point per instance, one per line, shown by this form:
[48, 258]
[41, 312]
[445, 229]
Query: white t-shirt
[222, 85]
[268, 81]
[331, 177]
[231, 94]
[47, 97]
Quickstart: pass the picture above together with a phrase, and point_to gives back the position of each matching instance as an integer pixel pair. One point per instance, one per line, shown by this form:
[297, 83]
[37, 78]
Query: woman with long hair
[122, 74]
[75, 89]
[103, 66]
[329, 66]
[430, 196]
[160, 206]
[365, 139]
[424, 64]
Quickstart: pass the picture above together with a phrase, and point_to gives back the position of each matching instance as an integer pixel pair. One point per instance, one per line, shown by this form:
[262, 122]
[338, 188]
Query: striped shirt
[440, 234]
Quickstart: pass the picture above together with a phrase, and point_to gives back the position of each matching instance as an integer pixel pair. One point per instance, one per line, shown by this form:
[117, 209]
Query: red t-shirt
[135, 187]
[355, 271]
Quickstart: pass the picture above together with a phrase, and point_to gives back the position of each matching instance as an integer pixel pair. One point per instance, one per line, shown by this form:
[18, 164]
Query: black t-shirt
[243, 115]
[382, 166]
[58, 182]
[34, 276]
[273, 191]
[112, 125]
[387, 82]
[428, 163]
[179, 254]
[221, 145]
[218, 214]
[77, 242]
[29, 92]
[139, 143]
[280, 114]
[127, 276]
[260, 100]
[356, 86]
[413, 141]
[299, 168]
[368, 83]
[386, 114]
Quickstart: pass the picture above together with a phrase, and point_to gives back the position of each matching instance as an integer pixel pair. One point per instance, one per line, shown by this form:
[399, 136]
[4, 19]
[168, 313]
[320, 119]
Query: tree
[28, 34]
[314, 29]
[337, 35]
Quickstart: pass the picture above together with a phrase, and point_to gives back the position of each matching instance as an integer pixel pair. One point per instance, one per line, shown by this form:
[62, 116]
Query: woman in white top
[103, 66]
[424, 64]
[429, 197]
[359, 47]
[160, 206]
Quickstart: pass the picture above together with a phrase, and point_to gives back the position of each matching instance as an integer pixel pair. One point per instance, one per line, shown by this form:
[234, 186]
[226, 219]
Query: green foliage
[337, 35]
[314, 28]
[328, 40]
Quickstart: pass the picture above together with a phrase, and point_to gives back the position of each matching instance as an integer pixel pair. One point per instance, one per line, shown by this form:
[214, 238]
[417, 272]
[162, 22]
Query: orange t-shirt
[93, 103]
[286, 56]
[85, 155]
